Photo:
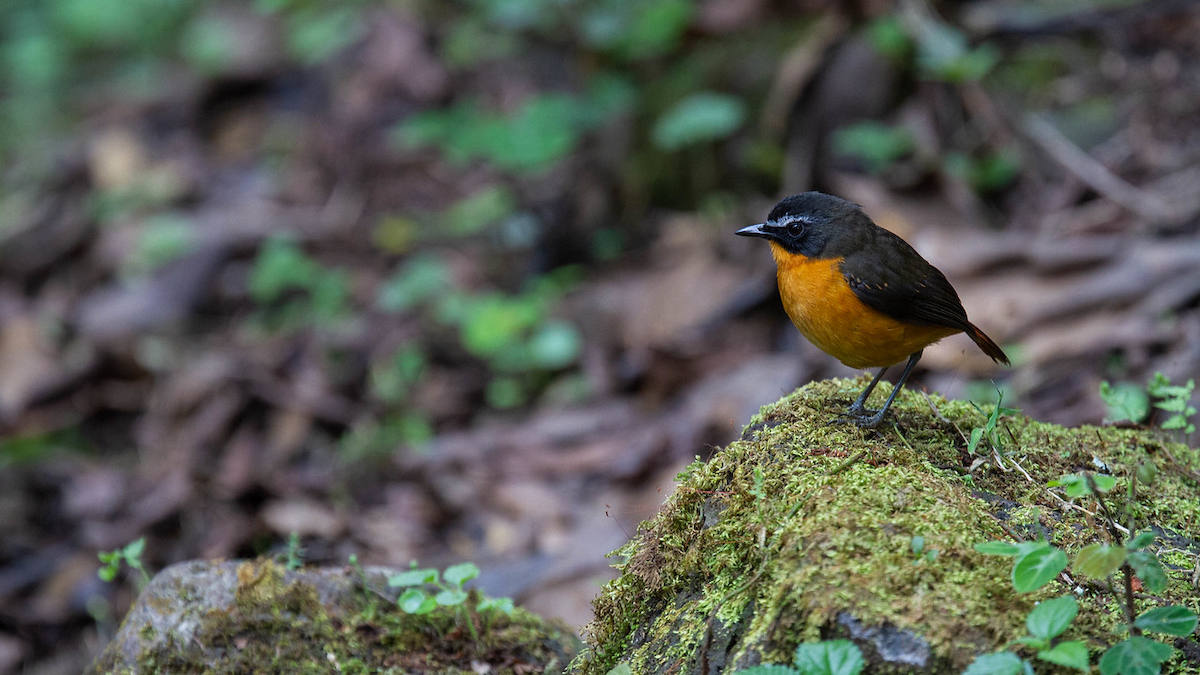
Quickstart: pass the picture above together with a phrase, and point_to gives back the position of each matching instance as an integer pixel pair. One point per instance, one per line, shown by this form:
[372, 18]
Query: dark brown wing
[889, 276]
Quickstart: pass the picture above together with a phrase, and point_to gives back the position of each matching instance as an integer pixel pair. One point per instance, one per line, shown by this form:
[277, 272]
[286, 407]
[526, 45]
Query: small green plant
[991, 428]
[1129, 402]
[293, 556]
[129, 555]
[920, 554]
[829, 657]
[698, 118]
[1125, 401]
[544, 129]
[295, 290]
[513, 333]
[876, 145]
[426, 590]
[1173, 399]
[1038, 563]
[987, 173]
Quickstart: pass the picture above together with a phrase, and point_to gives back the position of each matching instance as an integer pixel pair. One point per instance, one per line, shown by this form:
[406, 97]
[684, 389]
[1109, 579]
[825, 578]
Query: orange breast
[822, 305]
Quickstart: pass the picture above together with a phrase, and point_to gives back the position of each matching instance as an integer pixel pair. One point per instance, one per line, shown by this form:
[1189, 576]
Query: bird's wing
[898, 282]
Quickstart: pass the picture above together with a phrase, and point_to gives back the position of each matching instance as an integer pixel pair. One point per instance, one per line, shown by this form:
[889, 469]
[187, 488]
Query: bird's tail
[987, 345]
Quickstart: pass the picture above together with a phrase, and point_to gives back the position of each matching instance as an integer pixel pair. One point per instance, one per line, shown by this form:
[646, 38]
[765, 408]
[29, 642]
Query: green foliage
[295, 290]
[1084, 484]
[991, 428]
[27, 449]
[828, 657]
[1125, 401]
[1173, 399]
[1135, 656]
[874, 144]
[888, 37]
[944, 54]
[1129, 402]
[515, 334]
[1037, 566]
[917, 546]
[634, 30]
[293, 556]
[1037, 563]
[987, 174]
[162, 238]
[426, 590]
[533, 137]
[999, 663]
[700, 117]
[129, 555]
[373, 437]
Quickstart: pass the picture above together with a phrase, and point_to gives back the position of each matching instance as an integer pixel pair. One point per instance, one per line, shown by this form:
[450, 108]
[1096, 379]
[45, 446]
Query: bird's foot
[861, 416]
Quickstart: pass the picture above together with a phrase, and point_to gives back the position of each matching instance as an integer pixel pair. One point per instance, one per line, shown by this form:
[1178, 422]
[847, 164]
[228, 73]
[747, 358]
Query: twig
[1094, 174]
[937, 413]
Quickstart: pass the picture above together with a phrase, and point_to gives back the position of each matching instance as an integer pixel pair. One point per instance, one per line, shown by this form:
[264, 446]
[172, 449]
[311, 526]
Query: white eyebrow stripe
[791, 219]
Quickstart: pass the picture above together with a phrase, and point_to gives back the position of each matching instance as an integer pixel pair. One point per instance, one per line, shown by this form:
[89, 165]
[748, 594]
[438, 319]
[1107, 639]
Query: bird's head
[805, 223]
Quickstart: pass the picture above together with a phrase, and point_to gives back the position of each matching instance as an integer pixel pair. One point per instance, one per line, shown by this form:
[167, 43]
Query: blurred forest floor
[448, 281]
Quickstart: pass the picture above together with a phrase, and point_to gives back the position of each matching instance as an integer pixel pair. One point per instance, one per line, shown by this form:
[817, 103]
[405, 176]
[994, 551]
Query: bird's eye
[795, 228]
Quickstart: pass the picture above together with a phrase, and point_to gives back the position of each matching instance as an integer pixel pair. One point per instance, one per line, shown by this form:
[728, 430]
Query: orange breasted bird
[859, 292]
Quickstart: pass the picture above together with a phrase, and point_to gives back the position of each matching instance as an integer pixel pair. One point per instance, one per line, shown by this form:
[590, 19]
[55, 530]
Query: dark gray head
[805, 223]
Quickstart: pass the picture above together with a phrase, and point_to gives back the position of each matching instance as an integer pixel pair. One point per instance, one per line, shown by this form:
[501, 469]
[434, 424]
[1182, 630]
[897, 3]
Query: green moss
[279, 623]
[723, 573]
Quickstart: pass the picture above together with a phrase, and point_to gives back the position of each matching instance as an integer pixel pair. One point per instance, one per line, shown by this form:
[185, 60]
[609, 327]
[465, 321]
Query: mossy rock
[257, 617]
[804, 530]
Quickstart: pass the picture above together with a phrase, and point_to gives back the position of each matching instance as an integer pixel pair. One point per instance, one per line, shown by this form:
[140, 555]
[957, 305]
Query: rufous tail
[987, 345]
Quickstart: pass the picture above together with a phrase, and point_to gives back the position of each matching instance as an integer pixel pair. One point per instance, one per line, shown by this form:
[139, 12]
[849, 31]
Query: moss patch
[803, 530]
[256, 617]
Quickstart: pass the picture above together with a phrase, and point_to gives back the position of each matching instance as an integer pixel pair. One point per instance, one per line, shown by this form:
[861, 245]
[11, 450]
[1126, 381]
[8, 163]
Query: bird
[859, 292]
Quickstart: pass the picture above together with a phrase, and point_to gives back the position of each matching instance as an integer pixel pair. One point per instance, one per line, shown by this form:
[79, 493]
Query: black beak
[754, 231]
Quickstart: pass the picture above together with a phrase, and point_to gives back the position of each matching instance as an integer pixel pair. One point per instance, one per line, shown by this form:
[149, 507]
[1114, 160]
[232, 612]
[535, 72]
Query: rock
[804, 531]
[255, 616]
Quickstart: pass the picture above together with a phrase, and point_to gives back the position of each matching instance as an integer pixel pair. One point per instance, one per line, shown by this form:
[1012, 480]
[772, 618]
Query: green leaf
[622, 668]
[554, 345]
[461, 573]
[1125, 402]
[502, 605]
[1037, 568]
[999, 663]
[135, 548]
[414, 577]
[108, 573]
[423, 278]
[1073, 654]
[1141, 540]
[1050, 618]
[998, 548]
[1147, 568]
[769, 669]
[1076, 485]
[1099, 560]
[830, 657]
[976, 436]
[1172, 620]
[917, 544]
[1135, 656]
[451, 596]
[875, 145]
[416, 601]
[703, 116]
[1147, 471]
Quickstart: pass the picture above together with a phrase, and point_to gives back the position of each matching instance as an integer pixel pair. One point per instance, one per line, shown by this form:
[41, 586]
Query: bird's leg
[859, 407]
[870, 421]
